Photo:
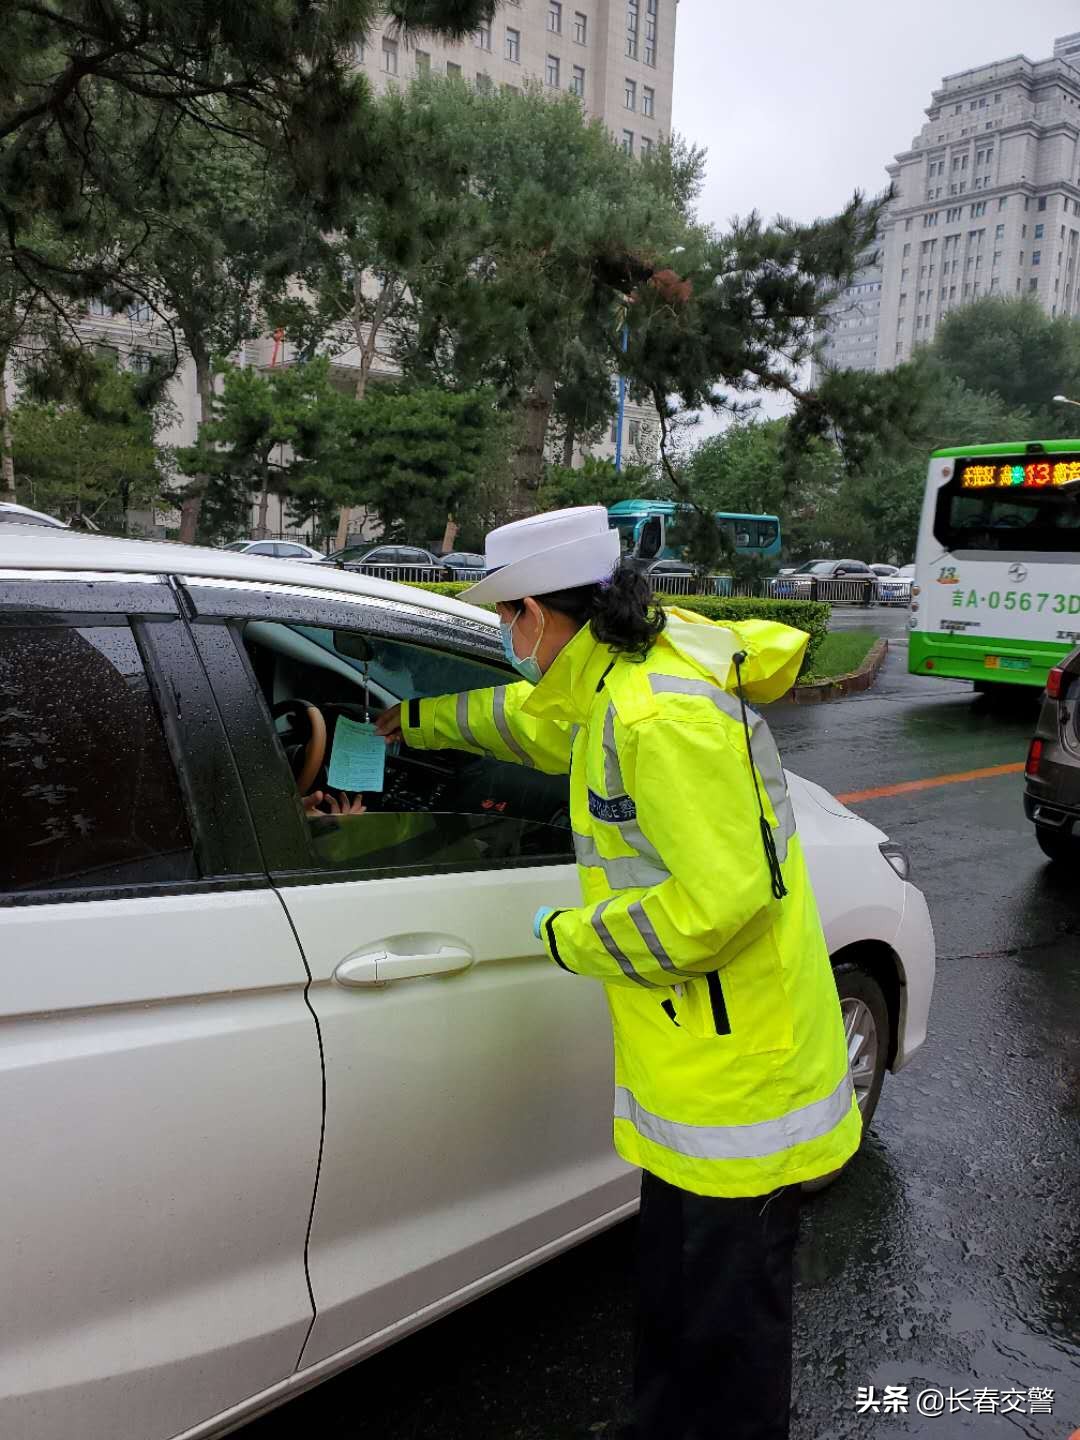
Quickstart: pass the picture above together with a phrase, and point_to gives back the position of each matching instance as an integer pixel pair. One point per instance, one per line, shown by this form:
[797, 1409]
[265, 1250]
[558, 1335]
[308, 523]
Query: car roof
[9, 507]
[53, 550]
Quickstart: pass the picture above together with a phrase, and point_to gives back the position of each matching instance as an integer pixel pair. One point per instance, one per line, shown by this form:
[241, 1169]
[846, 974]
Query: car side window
[88, 792]
[439, 810]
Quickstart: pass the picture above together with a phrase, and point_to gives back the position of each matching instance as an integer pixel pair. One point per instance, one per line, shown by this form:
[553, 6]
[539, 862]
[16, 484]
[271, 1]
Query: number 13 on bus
[996, 597]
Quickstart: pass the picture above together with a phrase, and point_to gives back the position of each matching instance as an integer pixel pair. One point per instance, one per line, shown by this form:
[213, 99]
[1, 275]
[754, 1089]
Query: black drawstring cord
[776, 875]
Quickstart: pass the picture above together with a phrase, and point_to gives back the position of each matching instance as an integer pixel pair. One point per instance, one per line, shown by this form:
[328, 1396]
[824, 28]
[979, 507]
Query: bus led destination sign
[1045, 474]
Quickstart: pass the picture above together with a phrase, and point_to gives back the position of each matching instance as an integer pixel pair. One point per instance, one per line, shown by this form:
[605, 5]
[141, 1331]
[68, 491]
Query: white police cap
[544, 553]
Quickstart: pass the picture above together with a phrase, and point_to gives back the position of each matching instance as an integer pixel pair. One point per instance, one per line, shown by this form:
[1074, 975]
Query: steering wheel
[304, 739]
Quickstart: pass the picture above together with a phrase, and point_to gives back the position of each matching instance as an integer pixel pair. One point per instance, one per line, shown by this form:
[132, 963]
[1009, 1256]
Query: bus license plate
[1006, 662]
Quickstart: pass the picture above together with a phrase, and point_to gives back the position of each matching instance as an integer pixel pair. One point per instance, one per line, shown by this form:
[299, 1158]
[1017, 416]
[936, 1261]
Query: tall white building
[987, 198]
[849, 339]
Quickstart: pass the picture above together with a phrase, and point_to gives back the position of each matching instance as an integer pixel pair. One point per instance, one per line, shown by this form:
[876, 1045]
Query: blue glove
[540, 918]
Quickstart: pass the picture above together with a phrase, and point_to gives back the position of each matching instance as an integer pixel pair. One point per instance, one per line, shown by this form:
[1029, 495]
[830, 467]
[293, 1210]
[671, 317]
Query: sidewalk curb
[841, 685]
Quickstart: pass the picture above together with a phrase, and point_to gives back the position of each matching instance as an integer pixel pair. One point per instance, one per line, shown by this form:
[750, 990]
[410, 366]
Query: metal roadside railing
[853, 590]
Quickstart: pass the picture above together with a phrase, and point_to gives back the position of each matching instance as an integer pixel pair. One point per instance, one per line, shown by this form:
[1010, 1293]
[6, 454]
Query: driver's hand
[388, 724]
[338, 804]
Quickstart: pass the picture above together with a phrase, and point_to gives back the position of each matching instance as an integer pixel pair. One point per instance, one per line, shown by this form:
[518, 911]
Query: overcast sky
[800, 102]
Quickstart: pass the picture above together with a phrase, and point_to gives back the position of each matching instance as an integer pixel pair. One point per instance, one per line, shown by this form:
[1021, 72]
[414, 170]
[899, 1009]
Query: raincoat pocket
[758, 1003]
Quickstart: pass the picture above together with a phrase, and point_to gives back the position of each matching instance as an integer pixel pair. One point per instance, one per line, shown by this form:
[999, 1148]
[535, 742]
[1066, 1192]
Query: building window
[907, 250]
[581, 28]
[633, 432]
[1033, 283]
[139, 312]
[554, 17]
[1036, 257]
[630, 94]
[483, 84]
[999, 232]
[614, 432]
[1042, 202]
[453, 70]
[423, 62]
[483, 37]
[139, 361]
[1039, 231]
[551, 71]
[358, 53]
[513, 46]
[628, 141]
[646, 145]
[577, 82]
[631, 28]
[390, 57]
[648, 101]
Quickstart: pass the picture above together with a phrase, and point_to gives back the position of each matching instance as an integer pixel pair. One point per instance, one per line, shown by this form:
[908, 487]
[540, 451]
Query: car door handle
[377, 967]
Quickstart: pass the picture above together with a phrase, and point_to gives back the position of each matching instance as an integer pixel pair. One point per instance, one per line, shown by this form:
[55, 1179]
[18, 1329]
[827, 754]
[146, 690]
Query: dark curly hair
[620, 611]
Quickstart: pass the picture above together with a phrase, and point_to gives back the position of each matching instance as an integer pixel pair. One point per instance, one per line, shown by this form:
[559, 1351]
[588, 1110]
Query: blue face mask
[529, 668]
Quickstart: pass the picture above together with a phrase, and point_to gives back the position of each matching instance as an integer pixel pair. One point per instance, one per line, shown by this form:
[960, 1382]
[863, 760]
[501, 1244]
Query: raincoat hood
[774, 652]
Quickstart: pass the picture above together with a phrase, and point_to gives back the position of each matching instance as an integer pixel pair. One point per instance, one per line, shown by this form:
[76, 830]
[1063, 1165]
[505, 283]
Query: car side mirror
[651, 540]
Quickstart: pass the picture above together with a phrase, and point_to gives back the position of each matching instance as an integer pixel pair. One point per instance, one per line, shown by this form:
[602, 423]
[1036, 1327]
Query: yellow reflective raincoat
[731, 1067]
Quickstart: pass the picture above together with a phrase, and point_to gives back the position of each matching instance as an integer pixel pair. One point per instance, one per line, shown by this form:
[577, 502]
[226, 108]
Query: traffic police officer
[731, 1067]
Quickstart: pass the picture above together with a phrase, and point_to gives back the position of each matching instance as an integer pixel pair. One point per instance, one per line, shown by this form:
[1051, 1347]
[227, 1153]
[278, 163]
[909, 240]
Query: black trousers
[713, 1352]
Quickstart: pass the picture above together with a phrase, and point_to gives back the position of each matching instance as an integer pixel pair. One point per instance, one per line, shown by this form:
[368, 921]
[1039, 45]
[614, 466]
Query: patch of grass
[841, 652]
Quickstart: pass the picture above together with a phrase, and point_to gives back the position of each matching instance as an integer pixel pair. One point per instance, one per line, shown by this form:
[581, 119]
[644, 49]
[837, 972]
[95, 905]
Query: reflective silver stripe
[636, 912]
[622, 872]
[613, 950]
[465, 729]
[613, 781]
[738, 1142]
[766, 756]
[504, 729]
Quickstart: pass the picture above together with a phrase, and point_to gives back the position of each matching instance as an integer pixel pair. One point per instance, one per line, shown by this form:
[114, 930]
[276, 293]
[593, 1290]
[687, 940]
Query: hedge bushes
[809, 615]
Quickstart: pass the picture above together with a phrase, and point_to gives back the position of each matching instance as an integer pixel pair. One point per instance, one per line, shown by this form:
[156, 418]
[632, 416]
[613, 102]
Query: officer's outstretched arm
[691, 784]
[489, 722]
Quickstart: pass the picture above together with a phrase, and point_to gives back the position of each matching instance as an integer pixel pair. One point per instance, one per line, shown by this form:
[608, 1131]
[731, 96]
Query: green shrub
[809, 615]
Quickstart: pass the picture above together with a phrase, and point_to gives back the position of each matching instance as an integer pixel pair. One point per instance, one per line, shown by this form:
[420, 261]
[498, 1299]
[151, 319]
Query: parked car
[896, 589]
[404, 562]
[884, 571]
[1052, 772]
[277, 1090]
[278, 549]
[12, 514]
[459, 560]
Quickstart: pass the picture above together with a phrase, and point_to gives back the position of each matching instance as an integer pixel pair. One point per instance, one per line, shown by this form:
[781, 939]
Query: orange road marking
[905, 787]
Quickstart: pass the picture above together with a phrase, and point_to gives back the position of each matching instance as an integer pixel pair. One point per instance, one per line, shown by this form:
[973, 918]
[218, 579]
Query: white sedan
[277, 1084]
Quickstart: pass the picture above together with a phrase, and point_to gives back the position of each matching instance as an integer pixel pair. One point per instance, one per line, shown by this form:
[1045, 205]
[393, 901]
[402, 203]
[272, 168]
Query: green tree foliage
[423, 456]
[92, 96]
[595, 482]
[84, 441]
[1015, 350]
[279, 432]
[520, 227]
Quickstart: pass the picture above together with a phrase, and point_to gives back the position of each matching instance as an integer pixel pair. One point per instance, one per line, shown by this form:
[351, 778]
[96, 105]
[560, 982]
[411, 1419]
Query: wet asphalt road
[949, 1254]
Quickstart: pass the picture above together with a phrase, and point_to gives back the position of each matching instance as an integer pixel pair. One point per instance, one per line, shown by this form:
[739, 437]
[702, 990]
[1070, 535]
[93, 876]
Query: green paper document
[358, 759]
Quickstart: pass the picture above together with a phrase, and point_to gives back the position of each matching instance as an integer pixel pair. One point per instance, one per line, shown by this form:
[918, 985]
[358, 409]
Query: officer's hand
[388, 724]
